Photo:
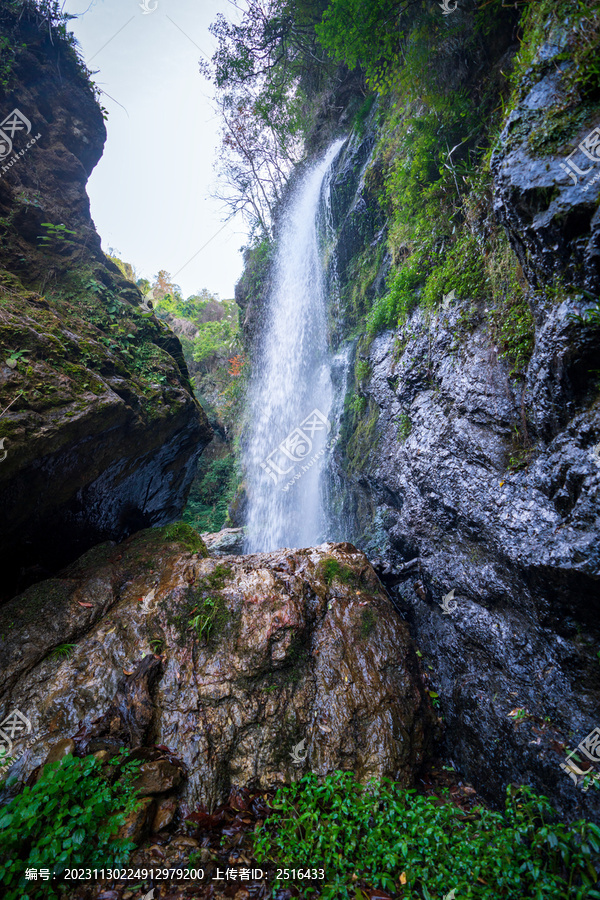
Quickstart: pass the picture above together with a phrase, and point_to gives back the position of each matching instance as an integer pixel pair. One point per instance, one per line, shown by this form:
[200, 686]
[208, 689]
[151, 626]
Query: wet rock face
[546, 189]
[266, 666]
[464, 478]
[100, 431]
[520, 549]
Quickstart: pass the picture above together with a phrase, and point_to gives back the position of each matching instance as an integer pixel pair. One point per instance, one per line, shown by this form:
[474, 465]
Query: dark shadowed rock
[99, 425]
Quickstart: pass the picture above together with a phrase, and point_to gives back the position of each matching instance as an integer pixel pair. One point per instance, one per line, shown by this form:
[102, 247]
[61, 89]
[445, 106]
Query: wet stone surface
[250, 670]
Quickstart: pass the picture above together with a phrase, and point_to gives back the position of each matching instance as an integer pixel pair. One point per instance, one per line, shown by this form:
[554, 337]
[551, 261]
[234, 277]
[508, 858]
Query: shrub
[69, 818]
[395, 839]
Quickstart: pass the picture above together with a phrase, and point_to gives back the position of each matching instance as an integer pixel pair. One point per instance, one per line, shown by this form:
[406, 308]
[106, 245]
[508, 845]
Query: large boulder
[250, 669]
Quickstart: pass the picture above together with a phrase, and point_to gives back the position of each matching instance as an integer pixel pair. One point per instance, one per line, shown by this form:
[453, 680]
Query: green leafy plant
[357, 404]
[203, 610]
[384, 836]
[6, 762]
[435, 698]
[12, 360]
[362, 370]
[211, 493]
[55, 234]
[213, 610]
[69, 818]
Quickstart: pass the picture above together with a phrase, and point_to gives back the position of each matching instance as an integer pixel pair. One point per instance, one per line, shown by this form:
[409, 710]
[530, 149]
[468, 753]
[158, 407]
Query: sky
[150, 193]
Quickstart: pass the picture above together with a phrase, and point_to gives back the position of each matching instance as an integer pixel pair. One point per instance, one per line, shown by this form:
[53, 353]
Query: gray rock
[227, 542]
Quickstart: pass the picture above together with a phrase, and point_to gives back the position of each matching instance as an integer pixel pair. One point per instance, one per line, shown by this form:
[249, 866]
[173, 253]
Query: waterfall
[291, 392]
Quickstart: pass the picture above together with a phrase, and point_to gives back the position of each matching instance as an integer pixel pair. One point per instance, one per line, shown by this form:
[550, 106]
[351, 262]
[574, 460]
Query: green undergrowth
[387, 837]
[213, 351]
[64, 337]
[430, 178]
[68, 819]
[212, 491]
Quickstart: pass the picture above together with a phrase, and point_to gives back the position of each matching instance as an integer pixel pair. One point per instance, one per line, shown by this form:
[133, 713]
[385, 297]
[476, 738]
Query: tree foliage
[266, 68]
[367, 34]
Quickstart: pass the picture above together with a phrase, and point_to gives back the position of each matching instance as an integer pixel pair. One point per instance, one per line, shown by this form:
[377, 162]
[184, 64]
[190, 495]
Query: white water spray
[291, 395]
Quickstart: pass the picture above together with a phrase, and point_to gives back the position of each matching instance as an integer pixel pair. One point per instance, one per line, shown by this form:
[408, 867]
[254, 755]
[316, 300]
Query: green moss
[363, 113]
[516, 333]
[356, 295]
[575, 27]
[404, 426]
[54, 594]
[359, 434]
[181, 533]
[98, 556]
[462, 270]
[367, 622]
[331, 570]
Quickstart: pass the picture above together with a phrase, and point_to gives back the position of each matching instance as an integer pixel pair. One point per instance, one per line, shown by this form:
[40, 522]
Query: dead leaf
[403, 879]
[128, 671]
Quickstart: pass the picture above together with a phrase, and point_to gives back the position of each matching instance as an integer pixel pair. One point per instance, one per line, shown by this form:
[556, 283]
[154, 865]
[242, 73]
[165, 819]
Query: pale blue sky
[150, 192]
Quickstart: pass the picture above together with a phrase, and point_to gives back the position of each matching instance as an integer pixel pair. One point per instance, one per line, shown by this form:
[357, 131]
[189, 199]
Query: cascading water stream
[291, 393]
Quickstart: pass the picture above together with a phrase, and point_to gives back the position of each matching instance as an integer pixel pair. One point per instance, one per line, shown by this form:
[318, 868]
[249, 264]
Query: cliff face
[99, 427]
[485, 471]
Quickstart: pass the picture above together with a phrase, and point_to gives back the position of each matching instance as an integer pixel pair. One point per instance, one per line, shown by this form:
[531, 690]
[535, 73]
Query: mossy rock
[180, 533]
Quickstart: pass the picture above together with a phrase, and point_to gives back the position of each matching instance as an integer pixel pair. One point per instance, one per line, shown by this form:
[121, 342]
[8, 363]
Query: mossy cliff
[99, 427]
[466, 273]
